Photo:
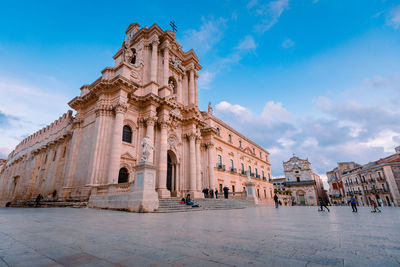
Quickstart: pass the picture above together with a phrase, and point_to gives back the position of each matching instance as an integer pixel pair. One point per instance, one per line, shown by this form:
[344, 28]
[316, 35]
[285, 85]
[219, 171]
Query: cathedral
[151, 91]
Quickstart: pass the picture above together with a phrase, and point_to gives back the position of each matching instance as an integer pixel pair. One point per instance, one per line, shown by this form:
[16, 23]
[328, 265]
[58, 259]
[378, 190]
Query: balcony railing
[221, 167]
[233, 170]
[252, 174]
[258, 176]
[264, 178]
[243, 172]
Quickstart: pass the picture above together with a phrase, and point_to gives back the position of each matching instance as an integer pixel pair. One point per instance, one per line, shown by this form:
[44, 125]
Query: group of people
[209, 193]
[188, 201]
[322, 204]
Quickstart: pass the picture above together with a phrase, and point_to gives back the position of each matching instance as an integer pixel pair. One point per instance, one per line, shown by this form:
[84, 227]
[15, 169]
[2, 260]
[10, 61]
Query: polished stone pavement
[257, 236]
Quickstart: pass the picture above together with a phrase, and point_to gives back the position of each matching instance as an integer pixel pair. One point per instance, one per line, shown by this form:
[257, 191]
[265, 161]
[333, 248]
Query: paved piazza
[259, 236]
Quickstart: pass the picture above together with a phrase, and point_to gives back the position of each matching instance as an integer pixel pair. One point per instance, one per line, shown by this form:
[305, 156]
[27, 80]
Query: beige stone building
[150, 91]
[306, 186]
[378, 181]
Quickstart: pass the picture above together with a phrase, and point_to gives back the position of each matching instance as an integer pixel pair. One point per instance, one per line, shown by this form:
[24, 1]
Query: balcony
[258, 176]
[372, 180]
[243, 172]
[264, 178]
[380, 179]
[252, 174]
[221, 167]
[233, 170]
[312, 182]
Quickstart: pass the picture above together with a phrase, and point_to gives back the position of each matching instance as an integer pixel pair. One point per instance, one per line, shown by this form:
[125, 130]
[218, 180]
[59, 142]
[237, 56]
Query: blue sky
[318, 78]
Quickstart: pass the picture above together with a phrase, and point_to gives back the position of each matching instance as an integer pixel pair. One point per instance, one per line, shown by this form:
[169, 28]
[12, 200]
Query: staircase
[172, 204]
[49, 203]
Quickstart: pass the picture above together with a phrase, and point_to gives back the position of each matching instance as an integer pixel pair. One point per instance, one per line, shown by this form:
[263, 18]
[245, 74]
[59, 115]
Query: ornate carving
[172, 141]
[177, 64]
[120, 108]
[147, 148]
[150, 121]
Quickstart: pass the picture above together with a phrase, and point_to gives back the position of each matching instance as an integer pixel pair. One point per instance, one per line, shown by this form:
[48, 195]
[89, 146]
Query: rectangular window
[233, 188]
[230, 138]
[219, 160]
[242, 167]
[220, 187]
[240, 143]
[231, 163]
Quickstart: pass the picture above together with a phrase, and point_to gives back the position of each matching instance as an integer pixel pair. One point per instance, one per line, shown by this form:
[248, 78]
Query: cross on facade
[173, 26]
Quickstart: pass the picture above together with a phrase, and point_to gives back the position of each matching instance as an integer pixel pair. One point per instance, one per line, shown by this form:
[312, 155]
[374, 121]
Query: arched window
[230, 138]
[127, 134]
[218, 132]
[123, 176]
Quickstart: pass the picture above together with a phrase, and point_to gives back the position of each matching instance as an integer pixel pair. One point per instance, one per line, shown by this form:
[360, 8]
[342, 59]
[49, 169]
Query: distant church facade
[151, 91]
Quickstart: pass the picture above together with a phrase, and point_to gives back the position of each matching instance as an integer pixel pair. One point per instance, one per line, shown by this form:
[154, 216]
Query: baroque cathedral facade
[151, 91]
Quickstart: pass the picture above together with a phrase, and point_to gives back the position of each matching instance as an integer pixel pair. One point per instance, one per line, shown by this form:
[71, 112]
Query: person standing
[216, 193]
[322, 204]
[37, 200]
[211, 193]
[276, 199]
[205, 192]
[226, 189]
[353, 203]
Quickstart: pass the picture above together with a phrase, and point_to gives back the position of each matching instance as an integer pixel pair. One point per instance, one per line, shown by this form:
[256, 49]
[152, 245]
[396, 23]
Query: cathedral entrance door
[302, 200]
[169, 173]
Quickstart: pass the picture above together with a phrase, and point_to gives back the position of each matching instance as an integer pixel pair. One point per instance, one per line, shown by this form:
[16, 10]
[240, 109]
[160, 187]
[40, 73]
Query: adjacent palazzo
[150, 92]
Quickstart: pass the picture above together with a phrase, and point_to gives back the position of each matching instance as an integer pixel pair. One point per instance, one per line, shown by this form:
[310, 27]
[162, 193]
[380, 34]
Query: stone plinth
[144, 197]
[251, 192]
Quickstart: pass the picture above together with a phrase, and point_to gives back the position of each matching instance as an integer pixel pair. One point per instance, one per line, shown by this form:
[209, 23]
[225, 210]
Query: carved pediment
[128, 156]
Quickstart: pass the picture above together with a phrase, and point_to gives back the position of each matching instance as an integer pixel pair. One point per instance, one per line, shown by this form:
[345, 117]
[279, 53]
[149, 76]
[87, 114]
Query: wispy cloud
[393, 17]
[270, 12]
[203, 39]
[342, 129]
[205, 79]
[247, 44]
[288, 43]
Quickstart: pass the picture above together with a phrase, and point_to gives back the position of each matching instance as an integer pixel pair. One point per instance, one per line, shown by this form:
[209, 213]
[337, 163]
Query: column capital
[120, 108]
[190, 136]
[150, 121]
[154, 41]
[209, 145]
[164, 124]
[166, 45]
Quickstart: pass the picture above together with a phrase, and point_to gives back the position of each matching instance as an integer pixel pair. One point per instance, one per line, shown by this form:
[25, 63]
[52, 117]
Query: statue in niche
[171, 85]
[133, 57]
[147, 148]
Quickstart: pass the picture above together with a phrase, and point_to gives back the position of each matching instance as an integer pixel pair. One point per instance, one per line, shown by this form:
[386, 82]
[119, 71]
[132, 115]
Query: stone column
[198, 165]
[116, 143]
[211, 154]
[192, 160]
[163, 164]
[191, 87]
[150, 133]
[154, 60]
[166, 63]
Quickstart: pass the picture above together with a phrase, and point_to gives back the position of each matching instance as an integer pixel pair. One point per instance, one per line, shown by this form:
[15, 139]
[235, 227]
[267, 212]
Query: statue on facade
[210, 109]
[147, 148]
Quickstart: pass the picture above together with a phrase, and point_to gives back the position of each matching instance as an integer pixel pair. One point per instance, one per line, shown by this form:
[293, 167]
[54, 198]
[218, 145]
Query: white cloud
[270, 12]
[288, 43]
[204, 39]
[393, 17]
[4, 151]
[275, 112]
[238, 110]
[247, 43]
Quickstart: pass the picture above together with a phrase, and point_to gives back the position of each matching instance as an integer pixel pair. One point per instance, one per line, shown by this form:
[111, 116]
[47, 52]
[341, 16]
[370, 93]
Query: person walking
[322, 205]
[37, 200]
[276, 199]
[226, 190]
[353, 203]
[216, 193]
[211, 193]
[375, 206]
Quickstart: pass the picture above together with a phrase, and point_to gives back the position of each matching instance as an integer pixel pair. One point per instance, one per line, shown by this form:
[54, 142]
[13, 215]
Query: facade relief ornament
[177, 64]
[147, 148]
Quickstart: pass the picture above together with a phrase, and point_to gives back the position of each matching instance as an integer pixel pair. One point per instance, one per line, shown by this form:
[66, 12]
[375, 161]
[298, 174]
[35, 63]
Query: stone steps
[172, 204]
